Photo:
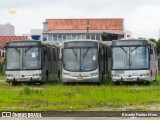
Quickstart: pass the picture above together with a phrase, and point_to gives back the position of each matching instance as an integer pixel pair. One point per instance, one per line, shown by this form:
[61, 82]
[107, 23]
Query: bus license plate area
[130, 79]
[80, 78]
[22, 79]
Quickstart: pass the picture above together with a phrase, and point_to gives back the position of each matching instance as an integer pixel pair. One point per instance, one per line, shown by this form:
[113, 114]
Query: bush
[2, 71]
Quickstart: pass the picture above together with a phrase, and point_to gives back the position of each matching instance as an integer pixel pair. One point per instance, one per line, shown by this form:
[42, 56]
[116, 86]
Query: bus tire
[14, 83]
[156, 77]
[116, 83]
[59, 74]
[102, 78]
[47, 75]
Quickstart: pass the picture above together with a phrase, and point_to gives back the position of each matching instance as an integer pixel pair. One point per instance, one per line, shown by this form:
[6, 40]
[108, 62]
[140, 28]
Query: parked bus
[31, 61]
[85, 61]
[134, 61]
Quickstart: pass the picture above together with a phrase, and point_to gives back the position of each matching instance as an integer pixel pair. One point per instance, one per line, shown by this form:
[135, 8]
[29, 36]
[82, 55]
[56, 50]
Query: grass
[79, 97]
[2, 76]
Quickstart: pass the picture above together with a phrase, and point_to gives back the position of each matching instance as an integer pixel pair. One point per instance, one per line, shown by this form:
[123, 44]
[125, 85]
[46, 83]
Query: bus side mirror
[151, 51]
[60, 56]
[101, 51]
[3, 54]
[44, 51]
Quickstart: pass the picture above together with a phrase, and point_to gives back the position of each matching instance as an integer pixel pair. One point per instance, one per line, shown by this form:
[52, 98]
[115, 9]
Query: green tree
[153, 40]
[158, 46]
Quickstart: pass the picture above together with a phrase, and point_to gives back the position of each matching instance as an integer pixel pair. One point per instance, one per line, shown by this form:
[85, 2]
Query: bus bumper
[67, 79]
[131, 79]
[32, 79]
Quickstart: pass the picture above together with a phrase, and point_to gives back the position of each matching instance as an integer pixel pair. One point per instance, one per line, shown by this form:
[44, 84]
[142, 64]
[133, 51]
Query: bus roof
[81, 40]
[132, 42]
[20, 43]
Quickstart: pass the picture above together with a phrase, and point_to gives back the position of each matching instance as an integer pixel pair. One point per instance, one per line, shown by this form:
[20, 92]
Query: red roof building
[5, 39]
[97, 29]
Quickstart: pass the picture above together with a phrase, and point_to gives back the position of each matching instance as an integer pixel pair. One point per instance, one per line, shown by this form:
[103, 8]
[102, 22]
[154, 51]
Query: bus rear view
[134, 61]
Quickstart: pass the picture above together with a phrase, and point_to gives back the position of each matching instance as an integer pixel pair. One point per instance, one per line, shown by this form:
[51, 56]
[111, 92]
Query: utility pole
[88, 25]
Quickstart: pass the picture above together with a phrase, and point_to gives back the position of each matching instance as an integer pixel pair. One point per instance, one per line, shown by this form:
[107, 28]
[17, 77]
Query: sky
[141, 17]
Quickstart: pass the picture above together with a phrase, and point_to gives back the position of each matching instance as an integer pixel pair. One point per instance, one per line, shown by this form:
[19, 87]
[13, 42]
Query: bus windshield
[13, 58]
[130, 57]
[23, 58]
[80, 59]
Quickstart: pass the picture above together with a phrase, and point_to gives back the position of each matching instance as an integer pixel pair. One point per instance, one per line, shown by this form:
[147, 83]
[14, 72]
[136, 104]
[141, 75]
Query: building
[105, 29]
[5, 39]
[128, 34]
[7, 30]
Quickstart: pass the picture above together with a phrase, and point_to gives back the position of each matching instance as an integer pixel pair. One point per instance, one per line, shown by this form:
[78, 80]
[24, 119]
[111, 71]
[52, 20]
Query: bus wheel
[14, 83]
[156, 77]
[116, 83]
[47, 76]
[147, 82]
[102, 78]
[59, 73]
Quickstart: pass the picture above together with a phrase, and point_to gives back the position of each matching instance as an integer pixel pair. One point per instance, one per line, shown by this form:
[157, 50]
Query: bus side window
[43, 56]
[155, 50]
[100, 58]
[54, 54]
[48, 54]
[101, 51]
[151, 51]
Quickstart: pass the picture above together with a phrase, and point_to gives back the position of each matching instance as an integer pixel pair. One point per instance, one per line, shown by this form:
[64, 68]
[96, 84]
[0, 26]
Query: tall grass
[2, 71]
[78, 97]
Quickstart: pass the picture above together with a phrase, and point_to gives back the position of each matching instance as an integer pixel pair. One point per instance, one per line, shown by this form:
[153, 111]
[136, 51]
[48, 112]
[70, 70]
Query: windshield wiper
[124, 50]
[74, 52]
[17, 50]
[84, 55]
[134, 49]
[27, 50]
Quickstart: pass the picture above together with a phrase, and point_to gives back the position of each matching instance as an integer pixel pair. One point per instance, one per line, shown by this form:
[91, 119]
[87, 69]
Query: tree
[158, 47]
[153, 40]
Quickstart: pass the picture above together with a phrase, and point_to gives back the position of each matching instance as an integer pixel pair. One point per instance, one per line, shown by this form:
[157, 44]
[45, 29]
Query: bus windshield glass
[23, 58]
[13, 58]
[80, 59]
[130, 58]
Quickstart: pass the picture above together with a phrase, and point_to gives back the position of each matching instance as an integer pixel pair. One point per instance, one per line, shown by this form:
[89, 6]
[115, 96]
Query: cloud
[145, 20]
[140, 15]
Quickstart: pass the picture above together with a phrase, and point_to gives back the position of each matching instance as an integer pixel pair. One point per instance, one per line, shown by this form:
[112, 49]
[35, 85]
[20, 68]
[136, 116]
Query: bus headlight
[36, 75]
[146, 74]
[115, 75]
[67, 74]
[9, 75]
[92, 74]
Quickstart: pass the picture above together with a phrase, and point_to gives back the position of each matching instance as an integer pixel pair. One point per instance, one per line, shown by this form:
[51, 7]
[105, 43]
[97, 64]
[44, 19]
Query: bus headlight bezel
[67, 74]
[93, 74]
[36, 75]
[9, 75]
[115, 75]
[145, 74]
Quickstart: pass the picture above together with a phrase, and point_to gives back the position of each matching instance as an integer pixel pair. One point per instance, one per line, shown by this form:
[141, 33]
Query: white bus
[31, 61]
[85, 61]
[134, 61]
